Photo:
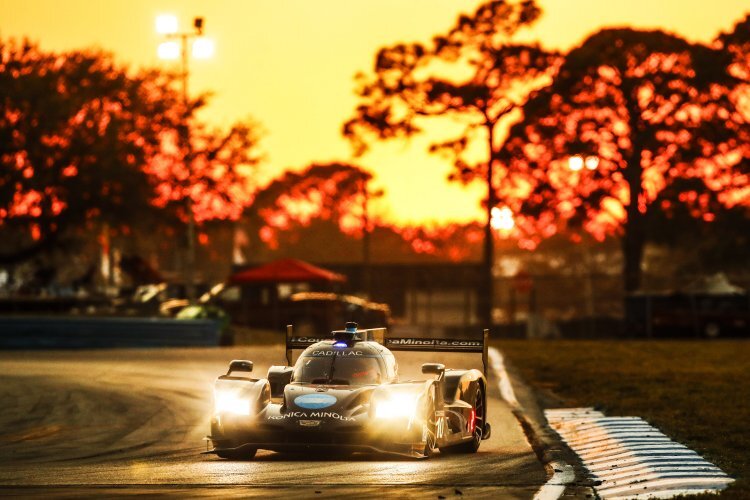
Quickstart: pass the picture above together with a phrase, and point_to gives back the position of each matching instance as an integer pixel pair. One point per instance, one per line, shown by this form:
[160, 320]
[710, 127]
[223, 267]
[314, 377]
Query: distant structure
[291, 291]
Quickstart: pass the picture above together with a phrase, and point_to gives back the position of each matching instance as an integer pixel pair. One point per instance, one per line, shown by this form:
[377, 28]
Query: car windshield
[337, 370]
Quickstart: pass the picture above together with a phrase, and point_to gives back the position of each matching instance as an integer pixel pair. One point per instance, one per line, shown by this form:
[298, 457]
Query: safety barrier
[76, 332]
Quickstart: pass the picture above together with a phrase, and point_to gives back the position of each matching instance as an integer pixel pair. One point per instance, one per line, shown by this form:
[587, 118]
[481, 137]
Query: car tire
[237, 454]
[480, 419]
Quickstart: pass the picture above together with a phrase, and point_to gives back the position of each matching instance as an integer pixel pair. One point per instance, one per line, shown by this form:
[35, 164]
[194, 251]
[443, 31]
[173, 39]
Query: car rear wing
[380, 335]
[374, 334]
[442, 345]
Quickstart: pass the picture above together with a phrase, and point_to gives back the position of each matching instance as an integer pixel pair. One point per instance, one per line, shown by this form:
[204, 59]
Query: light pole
[502, 220]
[576, 163]
[176, 46]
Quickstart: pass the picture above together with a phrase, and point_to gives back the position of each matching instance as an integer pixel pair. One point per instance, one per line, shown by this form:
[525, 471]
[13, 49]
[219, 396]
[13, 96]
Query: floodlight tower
[175, 46]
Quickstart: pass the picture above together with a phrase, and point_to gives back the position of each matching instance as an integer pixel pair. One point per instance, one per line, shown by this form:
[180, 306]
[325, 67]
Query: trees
[204, 191]
[737, 43]
[75, 130]
[87, 147]
[475, 76]
[331, 191]
[219, 176]
[660, 117]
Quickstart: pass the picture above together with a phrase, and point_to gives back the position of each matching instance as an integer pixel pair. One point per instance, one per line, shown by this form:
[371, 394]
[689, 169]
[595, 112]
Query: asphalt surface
[132, 422]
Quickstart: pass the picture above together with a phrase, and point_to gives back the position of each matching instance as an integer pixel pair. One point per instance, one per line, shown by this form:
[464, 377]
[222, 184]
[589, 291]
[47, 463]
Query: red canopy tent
[286, 271]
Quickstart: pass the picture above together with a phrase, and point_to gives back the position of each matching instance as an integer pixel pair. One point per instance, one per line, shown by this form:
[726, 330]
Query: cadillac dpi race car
[343, 394]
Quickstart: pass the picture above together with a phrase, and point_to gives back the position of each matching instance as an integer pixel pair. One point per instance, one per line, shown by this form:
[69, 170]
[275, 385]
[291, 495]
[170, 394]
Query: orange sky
[289, 64]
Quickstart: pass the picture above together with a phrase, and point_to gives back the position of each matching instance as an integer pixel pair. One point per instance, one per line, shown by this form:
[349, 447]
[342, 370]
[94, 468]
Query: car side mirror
[434, 369]
[240, 365]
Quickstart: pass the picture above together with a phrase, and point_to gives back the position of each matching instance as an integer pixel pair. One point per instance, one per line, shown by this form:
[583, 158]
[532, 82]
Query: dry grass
[696, 392]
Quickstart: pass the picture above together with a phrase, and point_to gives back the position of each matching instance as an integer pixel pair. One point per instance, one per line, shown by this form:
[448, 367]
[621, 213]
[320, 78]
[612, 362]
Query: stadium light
[176, 47]
[575, 163]
[166, 24]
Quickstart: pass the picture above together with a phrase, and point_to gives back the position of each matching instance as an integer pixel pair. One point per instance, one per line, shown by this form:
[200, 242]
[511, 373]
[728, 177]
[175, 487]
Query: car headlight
[396, 406]
[230, 402]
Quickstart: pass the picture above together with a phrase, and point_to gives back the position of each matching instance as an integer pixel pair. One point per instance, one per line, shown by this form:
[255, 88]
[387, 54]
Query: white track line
[632, 459]
[506, 388]
[563, 473]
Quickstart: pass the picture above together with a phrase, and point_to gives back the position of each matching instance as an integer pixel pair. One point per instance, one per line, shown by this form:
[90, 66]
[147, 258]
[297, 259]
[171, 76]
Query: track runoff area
[628, 458]
[625, 456]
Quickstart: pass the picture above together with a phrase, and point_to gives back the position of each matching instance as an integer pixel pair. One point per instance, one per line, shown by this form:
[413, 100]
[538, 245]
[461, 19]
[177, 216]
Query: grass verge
[696, 392]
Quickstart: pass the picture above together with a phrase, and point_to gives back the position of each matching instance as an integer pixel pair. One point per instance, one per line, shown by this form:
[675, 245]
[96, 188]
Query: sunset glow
[295, 76]
[468, 183]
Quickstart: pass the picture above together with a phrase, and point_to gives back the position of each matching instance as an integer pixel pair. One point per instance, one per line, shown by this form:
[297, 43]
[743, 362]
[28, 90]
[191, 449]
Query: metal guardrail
[72, 332]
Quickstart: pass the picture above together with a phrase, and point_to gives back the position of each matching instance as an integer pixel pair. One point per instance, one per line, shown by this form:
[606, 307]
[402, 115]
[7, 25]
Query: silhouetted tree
[320, 210]
[219, 176]
[474, 75]
[87, 147]
[737, 43]
[322, 241]
[75, 132]
[722, 243]
[331, 191]
[454, 242]
[659, 115]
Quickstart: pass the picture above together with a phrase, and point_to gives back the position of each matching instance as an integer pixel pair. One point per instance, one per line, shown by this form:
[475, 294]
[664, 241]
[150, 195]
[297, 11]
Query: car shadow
[318, 456]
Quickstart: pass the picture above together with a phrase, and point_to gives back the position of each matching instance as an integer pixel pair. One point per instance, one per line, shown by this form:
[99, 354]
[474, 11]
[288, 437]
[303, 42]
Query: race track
[128, 422]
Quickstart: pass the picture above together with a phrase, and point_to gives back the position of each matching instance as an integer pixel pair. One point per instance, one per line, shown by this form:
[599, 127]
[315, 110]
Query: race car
[343, 394]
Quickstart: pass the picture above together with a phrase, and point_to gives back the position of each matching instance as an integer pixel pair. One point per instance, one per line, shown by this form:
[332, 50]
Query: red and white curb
[628, 458]
[563, 473]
